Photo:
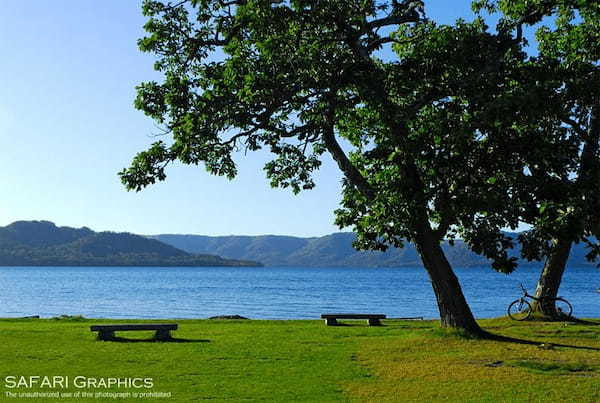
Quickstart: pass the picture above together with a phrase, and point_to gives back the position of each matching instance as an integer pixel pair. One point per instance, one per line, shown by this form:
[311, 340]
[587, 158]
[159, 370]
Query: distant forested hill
[41, 243]
[333, 250]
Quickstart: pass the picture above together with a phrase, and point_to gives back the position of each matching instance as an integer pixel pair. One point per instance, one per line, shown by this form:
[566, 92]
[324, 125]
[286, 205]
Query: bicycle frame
[523, 301]
[541, 299]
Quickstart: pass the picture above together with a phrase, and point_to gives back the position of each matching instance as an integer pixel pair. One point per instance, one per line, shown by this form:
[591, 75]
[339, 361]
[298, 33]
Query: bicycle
[520, 309]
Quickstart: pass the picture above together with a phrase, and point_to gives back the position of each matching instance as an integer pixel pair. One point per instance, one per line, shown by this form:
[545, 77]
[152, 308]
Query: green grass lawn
[307, 361]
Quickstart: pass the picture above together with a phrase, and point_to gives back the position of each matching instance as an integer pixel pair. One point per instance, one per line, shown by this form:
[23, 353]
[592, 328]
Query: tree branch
[350, 171]
[407, 11]
[443, 227]
[577, 128]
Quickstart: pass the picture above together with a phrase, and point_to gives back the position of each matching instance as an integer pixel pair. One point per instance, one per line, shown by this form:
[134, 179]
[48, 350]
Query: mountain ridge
[42, 243]
[333, 250]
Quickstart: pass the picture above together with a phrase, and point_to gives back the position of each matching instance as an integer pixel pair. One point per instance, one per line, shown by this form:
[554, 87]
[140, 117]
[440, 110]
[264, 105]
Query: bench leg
[106, 335]
[374, 322]
[163, 335]
[331, 321]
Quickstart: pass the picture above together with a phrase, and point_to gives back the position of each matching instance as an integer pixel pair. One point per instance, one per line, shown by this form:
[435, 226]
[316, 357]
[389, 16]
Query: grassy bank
[307, 361]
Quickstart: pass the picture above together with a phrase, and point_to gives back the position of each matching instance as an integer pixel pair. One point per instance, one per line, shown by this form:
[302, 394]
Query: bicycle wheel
[519, 310]
[563, 307]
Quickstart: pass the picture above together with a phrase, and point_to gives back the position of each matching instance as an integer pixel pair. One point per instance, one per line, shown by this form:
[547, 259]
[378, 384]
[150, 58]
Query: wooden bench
[331, 318]
[107, 332]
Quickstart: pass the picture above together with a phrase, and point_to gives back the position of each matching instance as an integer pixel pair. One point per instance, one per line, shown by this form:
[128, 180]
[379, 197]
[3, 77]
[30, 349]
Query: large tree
[426, 153]
[566, 206]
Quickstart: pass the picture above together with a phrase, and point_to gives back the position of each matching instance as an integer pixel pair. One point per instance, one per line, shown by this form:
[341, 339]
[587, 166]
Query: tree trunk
[453, 307]
[551, 277]
[588, 178]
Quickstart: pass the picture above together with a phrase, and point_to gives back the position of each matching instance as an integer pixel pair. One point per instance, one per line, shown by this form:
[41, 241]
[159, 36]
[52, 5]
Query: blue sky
[67, 126]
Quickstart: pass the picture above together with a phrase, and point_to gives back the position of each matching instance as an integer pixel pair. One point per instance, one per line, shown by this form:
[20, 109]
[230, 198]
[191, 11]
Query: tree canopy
[290, 77]
[564, 208]
[432, 146]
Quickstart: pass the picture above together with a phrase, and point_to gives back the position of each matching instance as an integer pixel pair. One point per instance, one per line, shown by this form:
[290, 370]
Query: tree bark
[551, 277]
[452, 305]
[454, 310]
[588, 177]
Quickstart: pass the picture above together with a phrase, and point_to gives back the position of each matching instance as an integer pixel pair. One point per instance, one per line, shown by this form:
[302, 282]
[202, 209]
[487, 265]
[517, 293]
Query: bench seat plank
[352, 316]
[107, 332]
[372, 318]
[135, 326]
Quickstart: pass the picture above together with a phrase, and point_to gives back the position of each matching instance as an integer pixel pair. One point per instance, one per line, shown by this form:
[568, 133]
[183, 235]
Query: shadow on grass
[570, 319]
[153, 340]
[506, 339]
[583, 322]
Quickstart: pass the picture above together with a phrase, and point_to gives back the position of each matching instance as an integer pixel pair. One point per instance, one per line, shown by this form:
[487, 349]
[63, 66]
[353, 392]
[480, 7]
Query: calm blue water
[265, 293]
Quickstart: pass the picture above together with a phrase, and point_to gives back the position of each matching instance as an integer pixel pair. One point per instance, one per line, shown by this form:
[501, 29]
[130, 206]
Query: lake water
[266, 293]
